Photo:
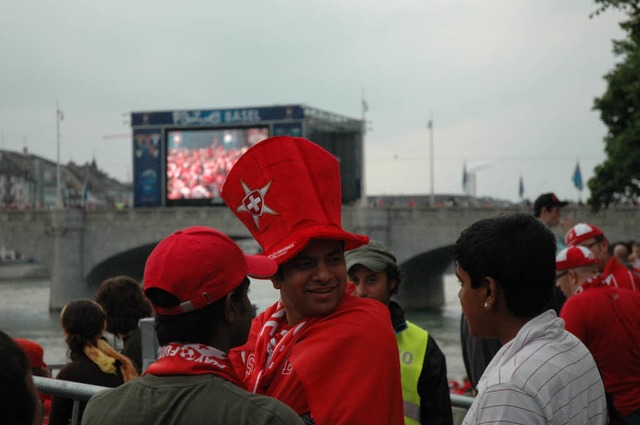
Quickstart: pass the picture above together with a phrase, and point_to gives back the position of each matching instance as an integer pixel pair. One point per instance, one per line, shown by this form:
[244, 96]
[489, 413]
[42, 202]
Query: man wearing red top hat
[329, 355]
[614, 273]
[606, 320]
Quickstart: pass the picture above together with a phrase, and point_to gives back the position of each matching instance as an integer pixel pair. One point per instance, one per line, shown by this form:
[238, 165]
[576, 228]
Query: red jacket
[606, 320]
[617, 275]
[342, 368]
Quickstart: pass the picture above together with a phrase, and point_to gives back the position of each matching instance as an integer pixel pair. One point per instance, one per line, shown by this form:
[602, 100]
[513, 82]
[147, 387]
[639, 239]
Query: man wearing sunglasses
[592, 238]
[605, 319]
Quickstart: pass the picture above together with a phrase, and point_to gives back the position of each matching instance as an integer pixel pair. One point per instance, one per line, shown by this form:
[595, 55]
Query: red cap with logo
[581, 232]
[286, 191]
[200, 265]
[575, 256]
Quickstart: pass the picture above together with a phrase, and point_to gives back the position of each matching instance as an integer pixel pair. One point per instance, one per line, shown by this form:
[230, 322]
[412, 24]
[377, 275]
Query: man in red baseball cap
[614, 273]
[197, 281]
[329, 355]
[605, 319]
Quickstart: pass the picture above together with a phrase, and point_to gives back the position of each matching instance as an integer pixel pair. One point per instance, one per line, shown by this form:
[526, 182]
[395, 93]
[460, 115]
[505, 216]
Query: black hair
[194, 327]
[83, 321]
[518, 252]
[394, 272]
[17, 399]
[124, 303]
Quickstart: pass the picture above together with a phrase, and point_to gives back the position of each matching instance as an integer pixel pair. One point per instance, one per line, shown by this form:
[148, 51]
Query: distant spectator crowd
[199, 173]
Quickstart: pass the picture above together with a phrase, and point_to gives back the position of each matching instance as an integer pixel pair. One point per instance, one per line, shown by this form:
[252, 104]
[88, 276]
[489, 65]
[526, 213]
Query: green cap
[375, 256]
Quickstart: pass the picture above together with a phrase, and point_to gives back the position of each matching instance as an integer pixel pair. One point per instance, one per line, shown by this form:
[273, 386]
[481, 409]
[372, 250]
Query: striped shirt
[545, 375]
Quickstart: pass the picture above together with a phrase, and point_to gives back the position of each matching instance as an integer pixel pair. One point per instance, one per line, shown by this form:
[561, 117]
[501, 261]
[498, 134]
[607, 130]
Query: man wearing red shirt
[605, 319]
[330, 356]
[613, 273]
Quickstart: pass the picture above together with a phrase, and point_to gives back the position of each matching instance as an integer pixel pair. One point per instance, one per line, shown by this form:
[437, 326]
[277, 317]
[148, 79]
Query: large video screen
[198, 161]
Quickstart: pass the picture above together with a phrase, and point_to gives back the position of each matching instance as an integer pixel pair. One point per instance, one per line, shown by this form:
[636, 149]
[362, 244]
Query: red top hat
[286, 191]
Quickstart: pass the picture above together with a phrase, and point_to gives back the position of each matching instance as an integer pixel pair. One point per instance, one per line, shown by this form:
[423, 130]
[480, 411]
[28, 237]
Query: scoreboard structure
[181, 158]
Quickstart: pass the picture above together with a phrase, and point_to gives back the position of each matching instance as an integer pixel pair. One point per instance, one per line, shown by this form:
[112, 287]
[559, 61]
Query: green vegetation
[617, 179]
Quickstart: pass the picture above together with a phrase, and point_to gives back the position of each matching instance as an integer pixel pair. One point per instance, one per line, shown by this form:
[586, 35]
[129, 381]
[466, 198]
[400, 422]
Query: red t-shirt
[606, 320]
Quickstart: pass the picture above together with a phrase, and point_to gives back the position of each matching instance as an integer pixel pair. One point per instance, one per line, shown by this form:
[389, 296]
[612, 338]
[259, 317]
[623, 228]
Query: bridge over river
[83, 247]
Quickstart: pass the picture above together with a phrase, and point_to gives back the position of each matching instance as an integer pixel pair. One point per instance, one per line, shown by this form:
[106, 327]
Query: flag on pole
[465, 177]
[577, 177]
[521, 187]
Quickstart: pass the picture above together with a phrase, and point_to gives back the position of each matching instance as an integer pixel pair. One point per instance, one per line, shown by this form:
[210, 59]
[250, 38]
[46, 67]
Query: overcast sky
[510, 83]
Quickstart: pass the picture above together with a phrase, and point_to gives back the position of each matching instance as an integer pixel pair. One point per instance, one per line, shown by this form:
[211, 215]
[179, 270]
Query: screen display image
[199, 160]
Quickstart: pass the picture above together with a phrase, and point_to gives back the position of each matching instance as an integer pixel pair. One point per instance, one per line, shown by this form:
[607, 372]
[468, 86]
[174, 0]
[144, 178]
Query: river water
[24, 313]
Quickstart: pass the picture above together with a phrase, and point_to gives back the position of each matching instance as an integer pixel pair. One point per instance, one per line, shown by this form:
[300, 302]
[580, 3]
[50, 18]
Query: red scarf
[592, 282]
[273, 346]
[193, 359]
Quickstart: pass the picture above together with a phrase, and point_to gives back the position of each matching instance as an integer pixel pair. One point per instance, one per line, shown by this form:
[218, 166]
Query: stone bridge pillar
[67, 280]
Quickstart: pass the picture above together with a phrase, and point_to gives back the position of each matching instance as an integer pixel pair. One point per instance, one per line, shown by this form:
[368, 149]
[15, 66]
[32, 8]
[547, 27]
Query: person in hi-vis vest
[425, 389]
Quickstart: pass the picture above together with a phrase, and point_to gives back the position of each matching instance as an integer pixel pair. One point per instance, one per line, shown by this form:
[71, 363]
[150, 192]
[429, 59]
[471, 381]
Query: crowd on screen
[199, 173]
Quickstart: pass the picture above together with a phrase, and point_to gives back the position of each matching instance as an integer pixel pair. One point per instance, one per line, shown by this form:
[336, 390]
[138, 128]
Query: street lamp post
[430, 125]
[59, 117]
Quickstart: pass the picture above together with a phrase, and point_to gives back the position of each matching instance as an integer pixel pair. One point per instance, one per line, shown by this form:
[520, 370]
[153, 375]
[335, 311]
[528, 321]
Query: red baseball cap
[575, 256]
[286, 191]
[581, 232]
[33, 350]
[200, 265]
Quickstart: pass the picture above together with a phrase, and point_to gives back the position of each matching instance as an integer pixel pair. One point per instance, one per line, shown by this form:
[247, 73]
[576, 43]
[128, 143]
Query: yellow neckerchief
[105, 356]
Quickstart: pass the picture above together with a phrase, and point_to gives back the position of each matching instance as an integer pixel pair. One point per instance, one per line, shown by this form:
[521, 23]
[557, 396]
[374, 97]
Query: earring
[486, 305]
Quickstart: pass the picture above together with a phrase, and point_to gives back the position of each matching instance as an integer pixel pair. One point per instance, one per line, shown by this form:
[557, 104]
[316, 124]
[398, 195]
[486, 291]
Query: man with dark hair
[330, 356]
[542, 374]
[477, 353]
[614, 273]
[425, 390]
[19, 402]
[197, 281]
[546, 208]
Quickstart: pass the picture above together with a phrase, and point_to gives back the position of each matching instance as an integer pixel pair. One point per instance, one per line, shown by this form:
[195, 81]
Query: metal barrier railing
[74, 390]
[83, 392]
[461, 401]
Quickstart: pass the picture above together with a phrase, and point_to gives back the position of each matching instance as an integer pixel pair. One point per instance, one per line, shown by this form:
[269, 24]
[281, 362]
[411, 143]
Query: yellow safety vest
[412, 343]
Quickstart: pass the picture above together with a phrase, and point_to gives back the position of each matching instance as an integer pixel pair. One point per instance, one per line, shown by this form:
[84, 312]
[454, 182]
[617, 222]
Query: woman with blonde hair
[93, 360]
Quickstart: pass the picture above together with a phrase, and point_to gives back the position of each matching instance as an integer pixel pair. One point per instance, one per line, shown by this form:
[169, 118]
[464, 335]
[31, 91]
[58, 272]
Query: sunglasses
[559, 275]
[589, 246]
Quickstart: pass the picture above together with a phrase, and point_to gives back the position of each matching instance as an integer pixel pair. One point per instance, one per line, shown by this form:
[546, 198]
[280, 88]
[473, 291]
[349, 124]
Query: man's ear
[491, 292]
[392, 285]
[229, 308]
[275, 282]
[573, 277]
